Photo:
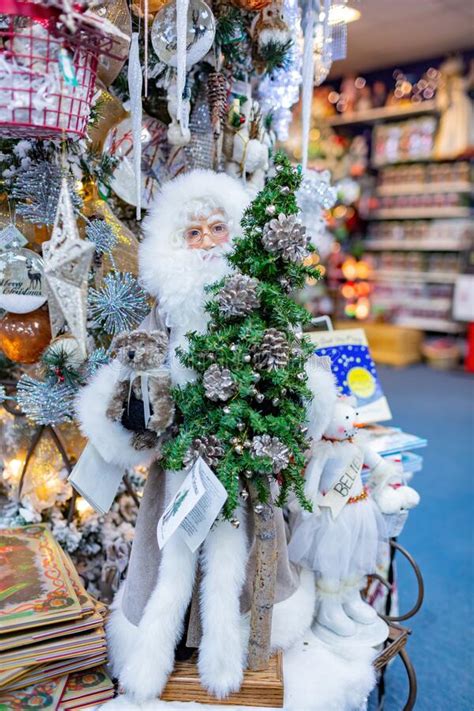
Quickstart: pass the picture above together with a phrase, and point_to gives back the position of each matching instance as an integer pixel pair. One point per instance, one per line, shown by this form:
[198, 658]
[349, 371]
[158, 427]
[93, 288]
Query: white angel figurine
[339, 541]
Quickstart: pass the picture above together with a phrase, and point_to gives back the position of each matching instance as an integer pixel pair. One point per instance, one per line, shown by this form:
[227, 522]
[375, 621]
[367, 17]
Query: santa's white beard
[181, 275]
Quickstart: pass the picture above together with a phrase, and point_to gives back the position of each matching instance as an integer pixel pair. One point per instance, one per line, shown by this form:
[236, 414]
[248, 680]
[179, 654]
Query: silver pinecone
[218, 383]
[238, 297]
[272, 352]
[209, 448]
[286, 236]
[267, 446]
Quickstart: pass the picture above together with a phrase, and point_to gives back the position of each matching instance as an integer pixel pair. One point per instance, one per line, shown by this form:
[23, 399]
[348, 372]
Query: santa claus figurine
[188, 232]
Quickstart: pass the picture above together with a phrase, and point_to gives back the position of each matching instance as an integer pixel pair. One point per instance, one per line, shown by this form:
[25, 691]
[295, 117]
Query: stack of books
[51, 629]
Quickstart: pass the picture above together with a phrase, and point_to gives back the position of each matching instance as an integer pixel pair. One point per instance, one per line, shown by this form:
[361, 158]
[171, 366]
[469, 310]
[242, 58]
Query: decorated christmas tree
[245, 412]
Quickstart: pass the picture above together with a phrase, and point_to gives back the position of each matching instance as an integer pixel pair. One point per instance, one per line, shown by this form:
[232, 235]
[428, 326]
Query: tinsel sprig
[46, 402]
[119, 304]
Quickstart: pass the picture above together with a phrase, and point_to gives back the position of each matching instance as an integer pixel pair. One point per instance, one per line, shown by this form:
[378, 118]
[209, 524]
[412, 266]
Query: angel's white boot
[355, 607]
[331, 613]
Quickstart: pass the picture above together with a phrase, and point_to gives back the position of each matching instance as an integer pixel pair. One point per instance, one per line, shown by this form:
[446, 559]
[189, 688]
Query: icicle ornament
[135, 80]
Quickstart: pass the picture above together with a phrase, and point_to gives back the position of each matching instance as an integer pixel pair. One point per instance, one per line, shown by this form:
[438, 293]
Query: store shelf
[383, 114]
[424, 188]
[411, 276]
[414, 245]
[422, 213]
[430, 324]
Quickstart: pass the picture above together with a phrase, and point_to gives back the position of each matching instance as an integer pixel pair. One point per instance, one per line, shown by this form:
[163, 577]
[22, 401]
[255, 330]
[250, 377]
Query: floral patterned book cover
[86, 687]
[40, 696]
[35, 587]
[52, 650]
[46, 672]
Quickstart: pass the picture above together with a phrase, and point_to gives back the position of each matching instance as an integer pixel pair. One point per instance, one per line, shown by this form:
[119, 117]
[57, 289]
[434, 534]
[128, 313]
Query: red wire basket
[48, 65]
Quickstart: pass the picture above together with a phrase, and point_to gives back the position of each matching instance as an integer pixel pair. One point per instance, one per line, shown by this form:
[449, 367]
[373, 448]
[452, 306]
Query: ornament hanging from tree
[67, 261]
[22, 287]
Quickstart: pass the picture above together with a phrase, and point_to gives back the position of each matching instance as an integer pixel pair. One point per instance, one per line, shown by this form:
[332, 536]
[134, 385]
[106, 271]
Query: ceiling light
[343, 14]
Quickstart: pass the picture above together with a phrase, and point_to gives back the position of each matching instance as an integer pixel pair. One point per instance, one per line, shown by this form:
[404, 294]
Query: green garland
[228, 343]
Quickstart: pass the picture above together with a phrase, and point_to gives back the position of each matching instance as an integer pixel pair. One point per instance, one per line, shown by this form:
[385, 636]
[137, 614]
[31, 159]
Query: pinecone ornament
[217, 97]
[218, 383]
[272, 352]
[286, 235]
[267, 446]
[209, 448]
[238, 297]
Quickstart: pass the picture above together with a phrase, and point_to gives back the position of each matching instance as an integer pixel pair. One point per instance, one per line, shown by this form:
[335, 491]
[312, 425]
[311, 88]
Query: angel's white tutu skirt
[339, 549]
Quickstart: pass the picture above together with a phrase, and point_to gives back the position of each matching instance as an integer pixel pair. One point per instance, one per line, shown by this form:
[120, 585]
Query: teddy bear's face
[142, 350]
[342, 425]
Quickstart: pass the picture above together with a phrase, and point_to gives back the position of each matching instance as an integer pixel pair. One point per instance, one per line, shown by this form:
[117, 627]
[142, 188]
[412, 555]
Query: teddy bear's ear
[119, 341]
[160, 337]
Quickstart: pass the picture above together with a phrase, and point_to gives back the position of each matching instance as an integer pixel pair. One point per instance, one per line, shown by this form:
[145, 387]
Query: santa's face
[207, 232]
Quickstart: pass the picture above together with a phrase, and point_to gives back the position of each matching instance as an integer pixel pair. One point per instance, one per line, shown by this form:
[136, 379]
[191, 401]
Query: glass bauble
[21, 281]
[158, 165]
[201, 30]
[23, 337]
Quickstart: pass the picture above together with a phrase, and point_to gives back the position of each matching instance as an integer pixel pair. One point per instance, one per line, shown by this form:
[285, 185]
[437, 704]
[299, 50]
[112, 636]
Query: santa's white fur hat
[169, 213]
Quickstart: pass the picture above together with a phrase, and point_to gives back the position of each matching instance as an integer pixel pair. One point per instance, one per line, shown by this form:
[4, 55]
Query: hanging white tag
[95, 479]
[337, 496]
[194, 507]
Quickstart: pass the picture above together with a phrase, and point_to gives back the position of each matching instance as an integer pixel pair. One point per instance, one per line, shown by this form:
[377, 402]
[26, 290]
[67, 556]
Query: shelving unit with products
[416, 220]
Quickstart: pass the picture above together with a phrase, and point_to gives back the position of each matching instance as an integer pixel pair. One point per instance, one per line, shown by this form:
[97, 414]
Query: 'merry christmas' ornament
[67, 262]
[21, 281]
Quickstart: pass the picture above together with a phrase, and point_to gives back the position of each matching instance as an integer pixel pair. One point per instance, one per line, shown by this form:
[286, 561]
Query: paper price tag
[95, 479]
[337, 496]
[194, 507]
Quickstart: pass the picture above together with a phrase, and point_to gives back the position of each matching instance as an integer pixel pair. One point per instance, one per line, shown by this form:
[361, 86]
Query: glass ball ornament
[200, 32]
[23, 337]
[22, 288]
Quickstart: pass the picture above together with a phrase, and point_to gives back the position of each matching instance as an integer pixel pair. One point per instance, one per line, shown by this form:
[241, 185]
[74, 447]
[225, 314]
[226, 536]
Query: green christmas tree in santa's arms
[245, 412]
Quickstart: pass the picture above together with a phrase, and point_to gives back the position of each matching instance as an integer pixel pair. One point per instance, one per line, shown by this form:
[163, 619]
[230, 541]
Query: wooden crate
[390, 344]
[264, 688]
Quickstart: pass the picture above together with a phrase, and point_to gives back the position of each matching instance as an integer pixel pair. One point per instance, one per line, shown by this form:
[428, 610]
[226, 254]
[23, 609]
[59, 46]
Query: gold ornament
[251, 5]
[67, 260]
[117, 12]
[23, 337]
[138, 8]
[124, 256]
[111, 113]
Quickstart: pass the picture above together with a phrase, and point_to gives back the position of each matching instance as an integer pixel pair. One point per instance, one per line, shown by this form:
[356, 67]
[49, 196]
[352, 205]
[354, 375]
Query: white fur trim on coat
[150, 658]
[121, 634]
[111, 439]
[222, 651]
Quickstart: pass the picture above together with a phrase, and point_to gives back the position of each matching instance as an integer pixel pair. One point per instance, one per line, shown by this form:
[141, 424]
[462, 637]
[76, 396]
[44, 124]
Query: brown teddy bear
[142, 354]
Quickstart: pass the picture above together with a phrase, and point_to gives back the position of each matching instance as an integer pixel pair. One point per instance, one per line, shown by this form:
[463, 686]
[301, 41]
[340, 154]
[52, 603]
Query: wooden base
[263, 688]
[390, 344]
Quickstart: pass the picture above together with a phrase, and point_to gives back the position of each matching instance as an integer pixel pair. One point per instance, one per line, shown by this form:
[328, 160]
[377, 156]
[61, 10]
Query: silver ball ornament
[259, 397]
[247, 358]
[270, 210]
